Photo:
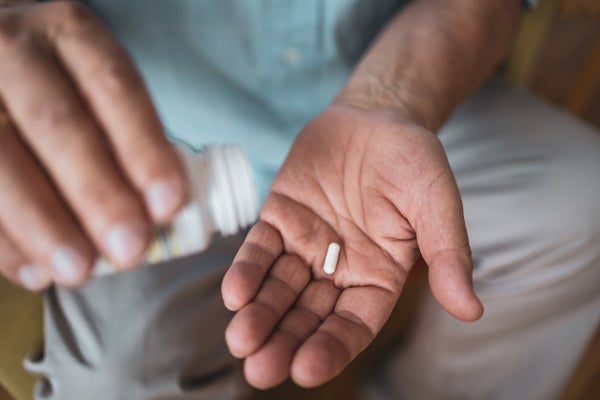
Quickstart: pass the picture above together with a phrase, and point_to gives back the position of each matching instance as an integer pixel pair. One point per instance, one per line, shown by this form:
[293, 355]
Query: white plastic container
[223, 199]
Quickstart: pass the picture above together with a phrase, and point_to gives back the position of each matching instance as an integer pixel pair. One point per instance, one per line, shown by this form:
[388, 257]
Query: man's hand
[383, 189]
[370, 174]
[84, 165]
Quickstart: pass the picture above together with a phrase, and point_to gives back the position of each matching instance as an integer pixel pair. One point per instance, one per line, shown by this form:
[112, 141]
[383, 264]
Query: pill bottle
[223, 199]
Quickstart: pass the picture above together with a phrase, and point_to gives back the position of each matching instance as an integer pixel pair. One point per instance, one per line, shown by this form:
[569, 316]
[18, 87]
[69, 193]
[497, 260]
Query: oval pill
[331, 258]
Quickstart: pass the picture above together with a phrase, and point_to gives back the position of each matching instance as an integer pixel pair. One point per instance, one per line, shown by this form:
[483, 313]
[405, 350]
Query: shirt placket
[291, 34]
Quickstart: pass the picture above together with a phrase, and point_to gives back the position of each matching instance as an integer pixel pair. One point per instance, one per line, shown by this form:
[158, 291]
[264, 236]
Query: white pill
[331, 259]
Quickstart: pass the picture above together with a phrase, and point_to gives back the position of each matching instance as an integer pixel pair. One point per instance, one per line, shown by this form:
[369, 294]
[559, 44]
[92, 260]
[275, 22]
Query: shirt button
[291, 56]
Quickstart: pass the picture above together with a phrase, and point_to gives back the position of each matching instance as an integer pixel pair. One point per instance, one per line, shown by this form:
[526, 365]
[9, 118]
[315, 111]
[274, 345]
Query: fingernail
[68, 265]
[33, 277]
[163, 197]
[125, 243]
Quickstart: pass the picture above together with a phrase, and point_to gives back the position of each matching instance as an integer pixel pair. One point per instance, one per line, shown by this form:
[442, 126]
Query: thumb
[452, 285]
[444, 245]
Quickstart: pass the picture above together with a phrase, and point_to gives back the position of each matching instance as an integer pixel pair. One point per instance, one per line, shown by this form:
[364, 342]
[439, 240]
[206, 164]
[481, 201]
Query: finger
[253, 324]
[359, 315]
[116, 95]
[14, 266]
[444, 245]
[270, 365]
[34, 217]
[58, 129]
[261, 247]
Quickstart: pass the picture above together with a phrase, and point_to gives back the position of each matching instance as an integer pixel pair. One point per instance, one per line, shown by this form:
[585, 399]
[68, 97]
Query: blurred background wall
[557, 55]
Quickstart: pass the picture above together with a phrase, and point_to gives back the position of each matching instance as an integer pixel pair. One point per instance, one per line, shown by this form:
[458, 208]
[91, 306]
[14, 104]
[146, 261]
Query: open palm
[381, 188]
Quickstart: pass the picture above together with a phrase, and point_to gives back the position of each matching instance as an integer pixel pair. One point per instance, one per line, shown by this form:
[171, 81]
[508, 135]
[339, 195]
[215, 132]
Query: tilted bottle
[223, 199]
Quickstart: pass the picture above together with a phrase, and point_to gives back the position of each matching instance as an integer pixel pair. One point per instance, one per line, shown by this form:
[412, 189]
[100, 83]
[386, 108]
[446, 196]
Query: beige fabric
[528, 175]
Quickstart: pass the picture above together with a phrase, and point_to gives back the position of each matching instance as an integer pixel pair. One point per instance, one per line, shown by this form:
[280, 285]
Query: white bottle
[223, 199]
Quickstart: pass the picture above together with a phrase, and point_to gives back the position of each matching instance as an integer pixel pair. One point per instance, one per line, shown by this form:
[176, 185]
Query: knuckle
[116, 80]
[50, 115]
[72, 17]
[150, 163]
[11, 31]
[45, 219]
[109, 199]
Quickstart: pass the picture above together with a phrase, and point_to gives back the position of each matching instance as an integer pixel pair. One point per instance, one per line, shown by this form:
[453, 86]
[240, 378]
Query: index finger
[118, 99]
[262, 246]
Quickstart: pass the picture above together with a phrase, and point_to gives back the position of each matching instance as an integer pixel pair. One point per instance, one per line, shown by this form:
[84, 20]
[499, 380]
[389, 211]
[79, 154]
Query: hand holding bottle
[85, 169]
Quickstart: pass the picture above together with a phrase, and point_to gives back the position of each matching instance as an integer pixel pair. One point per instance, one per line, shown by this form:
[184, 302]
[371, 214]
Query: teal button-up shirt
[251, 72]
